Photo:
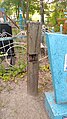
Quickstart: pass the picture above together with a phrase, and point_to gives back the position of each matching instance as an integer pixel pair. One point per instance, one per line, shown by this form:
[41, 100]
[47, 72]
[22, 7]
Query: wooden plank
[33, 48]
[32, 83]
[34, 33]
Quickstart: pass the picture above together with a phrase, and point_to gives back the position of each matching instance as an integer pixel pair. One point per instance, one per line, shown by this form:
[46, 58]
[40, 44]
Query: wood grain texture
[33, 48]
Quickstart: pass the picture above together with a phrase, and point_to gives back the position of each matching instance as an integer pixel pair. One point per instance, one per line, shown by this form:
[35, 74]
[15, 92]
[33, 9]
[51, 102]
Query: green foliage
[6, 4]
[12, 6]
[34, 6]
[12, 72]
[56, 28]
[57, 12]
[2, 70]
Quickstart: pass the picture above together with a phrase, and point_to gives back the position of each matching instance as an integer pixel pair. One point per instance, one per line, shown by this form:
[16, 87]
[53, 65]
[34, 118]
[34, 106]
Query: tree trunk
[42, 11]
[17, 11]
[27, 11]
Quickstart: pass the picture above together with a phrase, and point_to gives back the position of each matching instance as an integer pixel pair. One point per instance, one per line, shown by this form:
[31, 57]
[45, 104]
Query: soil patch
[15, 103]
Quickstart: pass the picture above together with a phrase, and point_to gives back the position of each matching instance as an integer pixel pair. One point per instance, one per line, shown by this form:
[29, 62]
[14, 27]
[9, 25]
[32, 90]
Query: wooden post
[33, 48]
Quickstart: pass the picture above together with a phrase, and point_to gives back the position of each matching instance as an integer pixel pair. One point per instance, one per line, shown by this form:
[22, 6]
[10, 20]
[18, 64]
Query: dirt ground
[15, 103]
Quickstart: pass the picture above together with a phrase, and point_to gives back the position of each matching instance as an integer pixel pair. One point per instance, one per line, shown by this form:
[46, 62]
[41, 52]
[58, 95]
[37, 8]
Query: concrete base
[55, 111]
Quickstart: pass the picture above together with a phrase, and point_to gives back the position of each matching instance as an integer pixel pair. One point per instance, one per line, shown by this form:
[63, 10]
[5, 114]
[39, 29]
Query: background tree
[42, 11]
[28, 7]
[51, 10]
[55, 10]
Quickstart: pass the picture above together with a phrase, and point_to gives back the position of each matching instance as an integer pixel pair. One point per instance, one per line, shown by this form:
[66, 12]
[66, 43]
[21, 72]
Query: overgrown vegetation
[52, 11]
[12, 73]
[45, 68]
[18, 69]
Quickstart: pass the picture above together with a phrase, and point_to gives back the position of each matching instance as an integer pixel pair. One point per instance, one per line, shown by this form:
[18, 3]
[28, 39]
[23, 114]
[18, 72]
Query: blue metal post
[5, 19]
[20, 18]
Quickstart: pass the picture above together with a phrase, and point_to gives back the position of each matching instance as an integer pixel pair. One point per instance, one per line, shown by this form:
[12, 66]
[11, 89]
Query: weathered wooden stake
[33, 48]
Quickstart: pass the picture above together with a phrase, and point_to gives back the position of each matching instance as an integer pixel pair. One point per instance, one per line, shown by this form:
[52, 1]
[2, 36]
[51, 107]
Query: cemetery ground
[15, 103]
